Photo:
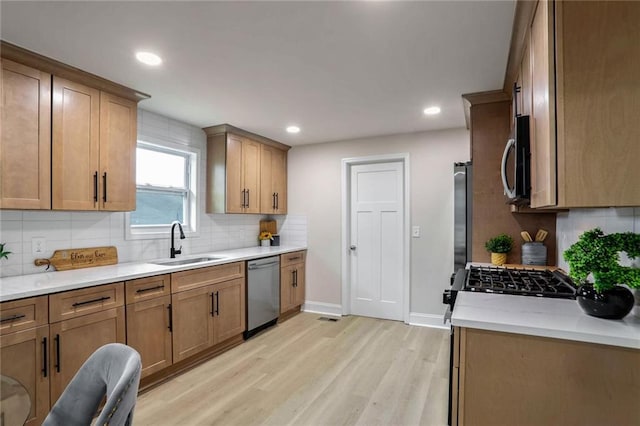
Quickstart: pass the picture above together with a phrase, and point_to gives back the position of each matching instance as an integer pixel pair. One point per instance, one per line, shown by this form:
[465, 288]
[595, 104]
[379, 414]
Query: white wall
[89, 229]
[314, 191]
[570, 225]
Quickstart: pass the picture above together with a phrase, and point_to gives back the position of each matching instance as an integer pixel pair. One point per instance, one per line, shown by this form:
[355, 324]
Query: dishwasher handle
[262, 265]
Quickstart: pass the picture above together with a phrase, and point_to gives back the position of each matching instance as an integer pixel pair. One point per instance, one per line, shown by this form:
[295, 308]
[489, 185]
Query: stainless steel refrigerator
[463, 195]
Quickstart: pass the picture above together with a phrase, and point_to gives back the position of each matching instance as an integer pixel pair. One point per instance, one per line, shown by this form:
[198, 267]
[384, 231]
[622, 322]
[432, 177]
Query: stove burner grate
[528, 282]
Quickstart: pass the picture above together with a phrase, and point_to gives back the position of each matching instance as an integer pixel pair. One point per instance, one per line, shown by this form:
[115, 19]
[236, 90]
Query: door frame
[347, 163]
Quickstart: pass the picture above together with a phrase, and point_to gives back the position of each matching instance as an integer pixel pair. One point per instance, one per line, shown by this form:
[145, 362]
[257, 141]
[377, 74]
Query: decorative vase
[614, 303]
[265, 243]
[498, 259]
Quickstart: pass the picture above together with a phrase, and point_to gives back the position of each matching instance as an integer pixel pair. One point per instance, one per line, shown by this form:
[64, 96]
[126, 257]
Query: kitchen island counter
[21, 286]
[543, 317]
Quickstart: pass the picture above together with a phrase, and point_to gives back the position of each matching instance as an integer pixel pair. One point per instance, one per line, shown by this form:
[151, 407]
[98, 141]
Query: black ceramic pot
[614, 303]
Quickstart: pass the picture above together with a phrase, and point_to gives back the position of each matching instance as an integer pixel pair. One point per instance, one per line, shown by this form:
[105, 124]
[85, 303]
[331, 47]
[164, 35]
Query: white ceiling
[339, 70]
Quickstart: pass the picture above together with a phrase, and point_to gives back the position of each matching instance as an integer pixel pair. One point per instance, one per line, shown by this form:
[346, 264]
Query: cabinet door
[298, 285]
[118, 120]
[251, 175]
[543, 142]
[286, 288]
[229, 309]
[75, 146]
[23, 357]
[235, 190]
[193, 312]
[273, 181]
[25, 143]
[525, 73]
[73, 341]
[149, 332]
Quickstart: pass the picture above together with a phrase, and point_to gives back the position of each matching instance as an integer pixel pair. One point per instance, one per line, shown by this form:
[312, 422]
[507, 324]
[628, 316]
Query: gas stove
[523, 282]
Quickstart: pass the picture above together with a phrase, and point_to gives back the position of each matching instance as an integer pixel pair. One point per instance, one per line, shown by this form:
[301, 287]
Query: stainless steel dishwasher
[263, 294]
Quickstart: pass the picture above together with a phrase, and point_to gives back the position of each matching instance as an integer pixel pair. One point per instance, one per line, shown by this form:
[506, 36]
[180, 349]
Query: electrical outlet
[415, 231]
[38, 246]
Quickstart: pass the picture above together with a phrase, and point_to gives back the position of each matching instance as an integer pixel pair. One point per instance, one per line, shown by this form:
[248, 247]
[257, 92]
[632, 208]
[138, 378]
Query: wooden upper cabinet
[118, 138]
[246, 173]
[76, 138]
[273, 172]
[66, 143]
[25, 144]
[584, 80]
[525, 80]
[543, 141]
[243, 175]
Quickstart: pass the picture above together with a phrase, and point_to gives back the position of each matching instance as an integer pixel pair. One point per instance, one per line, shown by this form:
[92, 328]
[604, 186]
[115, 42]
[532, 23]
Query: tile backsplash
[570, 225]
[89, 229]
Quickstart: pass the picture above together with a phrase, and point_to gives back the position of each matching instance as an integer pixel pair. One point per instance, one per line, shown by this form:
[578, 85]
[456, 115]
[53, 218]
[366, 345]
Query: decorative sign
[64, 260]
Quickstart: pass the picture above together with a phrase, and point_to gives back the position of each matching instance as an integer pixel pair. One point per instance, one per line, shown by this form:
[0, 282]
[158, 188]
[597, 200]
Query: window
[165, 190]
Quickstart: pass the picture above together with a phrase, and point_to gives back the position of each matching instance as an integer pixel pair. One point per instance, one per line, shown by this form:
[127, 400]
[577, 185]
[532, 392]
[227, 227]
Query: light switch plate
[415, 231]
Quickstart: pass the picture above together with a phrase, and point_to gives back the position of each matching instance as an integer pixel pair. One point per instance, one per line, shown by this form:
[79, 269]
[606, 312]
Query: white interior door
[376, 227]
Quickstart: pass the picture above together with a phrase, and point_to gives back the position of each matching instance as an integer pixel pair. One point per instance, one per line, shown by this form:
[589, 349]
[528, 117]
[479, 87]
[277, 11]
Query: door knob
[352, 247]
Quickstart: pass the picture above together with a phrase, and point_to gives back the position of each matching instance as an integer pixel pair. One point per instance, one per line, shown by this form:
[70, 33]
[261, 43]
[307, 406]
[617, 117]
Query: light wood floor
[357, 371]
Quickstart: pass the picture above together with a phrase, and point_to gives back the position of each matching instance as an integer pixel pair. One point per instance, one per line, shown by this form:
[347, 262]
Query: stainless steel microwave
[516, 164]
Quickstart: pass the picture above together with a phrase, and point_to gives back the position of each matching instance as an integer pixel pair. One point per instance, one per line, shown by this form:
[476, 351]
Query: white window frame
[192, 154]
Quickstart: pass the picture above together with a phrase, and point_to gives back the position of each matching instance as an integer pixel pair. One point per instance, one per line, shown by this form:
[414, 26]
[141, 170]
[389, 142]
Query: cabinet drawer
[293, 258]
[72, 304]
[22, 314]
[147, 288]
[194, 278]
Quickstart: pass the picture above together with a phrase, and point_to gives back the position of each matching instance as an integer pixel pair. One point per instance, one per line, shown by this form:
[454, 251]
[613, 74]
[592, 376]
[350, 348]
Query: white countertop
[21, 286]
[544, 317]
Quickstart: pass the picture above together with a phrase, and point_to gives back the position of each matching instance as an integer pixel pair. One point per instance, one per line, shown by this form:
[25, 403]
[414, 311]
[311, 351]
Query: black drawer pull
[217, 304]
[213, 309]
[45, 361]
[295, 258]
[170, 317]
[95, 187]
[143, 290]
[100, 299]
[104, 187]
[13, 317]
[57, 340]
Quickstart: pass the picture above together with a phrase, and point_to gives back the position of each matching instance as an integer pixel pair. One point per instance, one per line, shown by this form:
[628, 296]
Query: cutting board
[269, 226]
[64, 260]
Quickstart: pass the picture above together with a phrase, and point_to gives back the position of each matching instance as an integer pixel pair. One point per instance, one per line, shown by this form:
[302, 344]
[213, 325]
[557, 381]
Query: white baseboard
[427, 320]
[322, 308]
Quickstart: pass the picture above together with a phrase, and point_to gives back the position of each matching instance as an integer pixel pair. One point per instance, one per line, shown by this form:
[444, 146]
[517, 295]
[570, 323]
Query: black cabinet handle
[57, 340]
[294, 274]
[104, 187]
[217, 304]
[95, 187]
[100, 299]
[277, 201]
[274, 200]
[516, 90]
[45, 361]
[248, 198]
[212, 304]
[244, 199]
[12, 317]
[170, 317]
[143, 290]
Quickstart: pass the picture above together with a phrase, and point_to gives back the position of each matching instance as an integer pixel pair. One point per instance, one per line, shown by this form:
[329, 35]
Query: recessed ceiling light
[148, 58]
[293, 129]
[432, 110]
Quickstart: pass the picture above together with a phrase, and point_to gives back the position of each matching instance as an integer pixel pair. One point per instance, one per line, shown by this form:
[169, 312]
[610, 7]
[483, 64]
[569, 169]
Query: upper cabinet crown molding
[51, 66]
[228, 128]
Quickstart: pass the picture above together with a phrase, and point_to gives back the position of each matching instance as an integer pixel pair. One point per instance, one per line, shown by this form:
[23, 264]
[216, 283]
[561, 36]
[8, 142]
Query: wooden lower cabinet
[24, 358]
[149, 332]
[515, 379]
[205, 316]
[292, 282]
[72, 341]
[229, 315]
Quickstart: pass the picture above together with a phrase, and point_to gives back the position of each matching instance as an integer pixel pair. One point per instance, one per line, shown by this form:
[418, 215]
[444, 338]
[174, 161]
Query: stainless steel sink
[187, 261]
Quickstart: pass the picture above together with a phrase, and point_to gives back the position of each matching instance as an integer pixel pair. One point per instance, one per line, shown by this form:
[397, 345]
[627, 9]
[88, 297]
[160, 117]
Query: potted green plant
[3, 253]
[499, 247]
[597, 255]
